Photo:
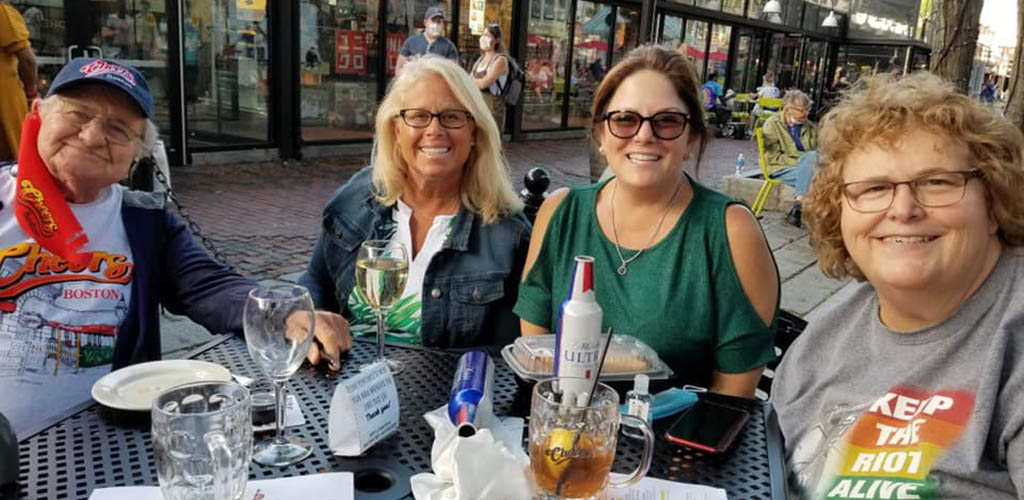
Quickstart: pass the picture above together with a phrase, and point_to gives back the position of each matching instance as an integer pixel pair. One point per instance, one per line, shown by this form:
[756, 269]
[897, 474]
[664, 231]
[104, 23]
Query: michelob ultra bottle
[578, 337]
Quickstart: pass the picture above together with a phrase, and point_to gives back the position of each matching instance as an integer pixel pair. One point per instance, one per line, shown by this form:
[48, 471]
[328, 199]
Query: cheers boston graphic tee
[869, 413]
[58, 321]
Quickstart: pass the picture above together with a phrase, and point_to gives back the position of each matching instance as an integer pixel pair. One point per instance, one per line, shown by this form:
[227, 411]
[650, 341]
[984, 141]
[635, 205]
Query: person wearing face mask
[428, 42]
[490, 71]
[790, 144]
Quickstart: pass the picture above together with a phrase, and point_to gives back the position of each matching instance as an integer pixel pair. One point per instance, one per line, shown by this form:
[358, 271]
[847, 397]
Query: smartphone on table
[708, 425]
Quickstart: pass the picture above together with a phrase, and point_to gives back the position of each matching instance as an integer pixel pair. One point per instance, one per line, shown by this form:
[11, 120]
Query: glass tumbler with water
[572, 444]
[382, 267]
[278, 322]
[202, 441]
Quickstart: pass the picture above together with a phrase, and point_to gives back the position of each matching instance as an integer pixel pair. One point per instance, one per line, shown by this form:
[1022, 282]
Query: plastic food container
[532, 358]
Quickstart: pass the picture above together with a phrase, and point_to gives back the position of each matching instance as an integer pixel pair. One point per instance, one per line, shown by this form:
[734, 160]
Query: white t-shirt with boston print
[403, 319]
[58, 324]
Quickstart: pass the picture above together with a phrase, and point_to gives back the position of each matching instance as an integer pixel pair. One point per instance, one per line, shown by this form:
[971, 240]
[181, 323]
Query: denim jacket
[470, 286]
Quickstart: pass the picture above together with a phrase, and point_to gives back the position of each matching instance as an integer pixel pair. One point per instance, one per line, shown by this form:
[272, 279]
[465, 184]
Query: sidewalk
[264, 217]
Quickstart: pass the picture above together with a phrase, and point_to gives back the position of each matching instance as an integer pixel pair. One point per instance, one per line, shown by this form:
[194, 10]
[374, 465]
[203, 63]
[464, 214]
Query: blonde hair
[486, 186]
[882, 110]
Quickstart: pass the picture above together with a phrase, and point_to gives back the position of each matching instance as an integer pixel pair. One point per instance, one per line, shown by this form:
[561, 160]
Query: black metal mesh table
[97, 447]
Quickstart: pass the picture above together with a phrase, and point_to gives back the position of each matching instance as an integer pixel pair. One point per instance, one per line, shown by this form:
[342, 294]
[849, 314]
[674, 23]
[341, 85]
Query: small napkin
[490, 464]
[292, 416]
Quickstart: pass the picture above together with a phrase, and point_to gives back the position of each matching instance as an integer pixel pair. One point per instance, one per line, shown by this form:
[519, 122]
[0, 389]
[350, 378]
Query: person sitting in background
[714, 102]
[700, 286]
[766, 90]
[440, 186]
[790, 141]
[490, 71]
[85, 263]
[918, 197]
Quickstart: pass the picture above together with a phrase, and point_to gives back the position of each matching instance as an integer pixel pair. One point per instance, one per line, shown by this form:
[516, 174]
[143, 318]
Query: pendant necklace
[622, 267]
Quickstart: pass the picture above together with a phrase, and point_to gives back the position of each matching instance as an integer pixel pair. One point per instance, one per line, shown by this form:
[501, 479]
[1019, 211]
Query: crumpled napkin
[490, 464]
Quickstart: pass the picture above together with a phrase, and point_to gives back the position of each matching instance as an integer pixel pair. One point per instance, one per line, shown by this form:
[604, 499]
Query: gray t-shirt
[937, 413]
[418, 45]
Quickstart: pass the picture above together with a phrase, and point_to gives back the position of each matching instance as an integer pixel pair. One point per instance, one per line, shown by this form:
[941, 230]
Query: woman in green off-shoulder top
[678, 265]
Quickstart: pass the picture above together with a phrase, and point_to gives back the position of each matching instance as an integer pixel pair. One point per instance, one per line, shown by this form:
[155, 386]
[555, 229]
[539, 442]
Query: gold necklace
[622, 267]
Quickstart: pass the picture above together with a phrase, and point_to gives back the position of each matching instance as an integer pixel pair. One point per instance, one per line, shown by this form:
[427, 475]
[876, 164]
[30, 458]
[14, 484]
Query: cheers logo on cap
[100, 67]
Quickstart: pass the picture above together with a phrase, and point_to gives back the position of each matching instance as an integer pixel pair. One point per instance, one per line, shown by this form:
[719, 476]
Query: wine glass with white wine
[382, 267]
[278, 323]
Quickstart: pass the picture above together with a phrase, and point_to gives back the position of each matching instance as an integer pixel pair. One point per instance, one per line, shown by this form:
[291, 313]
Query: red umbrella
[536, 40]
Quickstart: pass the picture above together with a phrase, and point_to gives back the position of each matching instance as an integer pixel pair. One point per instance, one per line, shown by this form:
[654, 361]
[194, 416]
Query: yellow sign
[252, 4]
[251, 10]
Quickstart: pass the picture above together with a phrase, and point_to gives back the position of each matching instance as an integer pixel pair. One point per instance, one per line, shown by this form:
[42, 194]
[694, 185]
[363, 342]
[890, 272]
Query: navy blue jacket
[171, 269]
[470, 286]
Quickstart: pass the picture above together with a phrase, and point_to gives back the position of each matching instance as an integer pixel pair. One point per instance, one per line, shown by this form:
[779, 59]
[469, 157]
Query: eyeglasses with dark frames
[938, 189]
[666, 125]
[448, 118]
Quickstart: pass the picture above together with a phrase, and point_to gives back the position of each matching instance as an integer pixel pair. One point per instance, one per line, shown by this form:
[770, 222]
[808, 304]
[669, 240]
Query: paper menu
[328, 486]
[650, 488]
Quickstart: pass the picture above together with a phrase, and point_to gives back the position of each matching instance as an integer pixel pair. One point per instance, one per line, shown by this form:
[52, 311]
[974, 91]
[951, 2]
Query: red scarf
[40, 207]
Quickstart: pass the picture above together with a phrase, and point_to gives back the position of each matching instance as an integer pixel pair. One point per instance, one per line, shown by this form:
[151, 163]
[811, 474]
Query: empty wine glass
[278, 324]
[381, 269]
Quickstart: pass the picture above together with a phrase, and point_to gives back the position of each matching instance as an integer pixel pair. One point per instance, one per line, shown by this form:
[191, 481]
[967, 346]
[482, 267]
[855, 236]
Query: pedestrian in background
[17, 79]
[490, 71]
[428, 42]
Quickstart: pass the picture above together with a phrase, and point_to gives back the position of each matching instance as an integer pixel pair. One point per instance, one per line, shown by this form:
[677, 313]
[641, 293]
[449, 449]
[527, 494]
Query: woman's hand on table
[331, 338]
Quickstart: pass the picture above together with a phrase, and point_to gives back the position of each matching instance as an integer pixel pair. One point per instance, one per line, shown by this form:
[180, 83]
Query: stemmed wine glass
[278, 324]
[382, 267]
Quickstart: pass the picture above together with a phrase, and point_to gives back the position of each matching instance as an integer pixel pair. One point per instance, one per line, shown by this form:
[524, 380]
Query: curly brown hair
[881, 110]
[676, 68]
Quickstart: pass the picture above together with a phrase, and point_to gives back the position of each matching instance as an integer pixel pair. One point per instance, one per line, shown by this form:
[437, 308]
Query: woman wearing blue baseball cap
[85, 263]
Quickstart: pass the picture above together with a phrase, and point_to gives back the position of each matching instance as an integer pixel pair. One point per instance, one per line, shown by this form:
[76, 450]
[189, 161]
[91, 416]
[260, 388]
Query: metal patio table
[94, 447]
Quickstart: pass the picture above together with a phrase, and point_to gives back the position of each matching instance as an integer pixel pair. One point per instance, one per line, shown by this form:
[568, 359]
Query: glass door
[604, 34]
[747, 61]
[784, 60]
[226, 66]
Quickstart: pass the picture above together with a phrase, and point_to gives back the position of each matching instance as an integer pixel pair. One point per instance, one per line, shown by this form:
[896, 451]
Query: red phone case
[726, 440]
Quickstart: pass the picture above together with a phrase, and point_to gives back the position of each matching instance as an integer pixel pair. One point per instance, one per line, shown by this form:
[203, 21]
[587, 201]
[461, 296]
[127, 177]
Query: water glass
[278, 322]
[202, 441]
[572, 446]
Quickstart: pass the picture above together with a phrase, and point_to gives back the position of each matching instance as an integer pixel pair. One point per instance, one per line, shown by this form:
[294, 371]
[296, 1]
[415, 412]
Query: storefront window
[792, 11]
[338, 76]
[748, 50]
[226, 69]
[783, 60]
[754, 9]
[709, 4]
[858, 61]
[694, 44]
[546, 48]
[671, 31]
[733, 7]
[813, 65]
[719, 53]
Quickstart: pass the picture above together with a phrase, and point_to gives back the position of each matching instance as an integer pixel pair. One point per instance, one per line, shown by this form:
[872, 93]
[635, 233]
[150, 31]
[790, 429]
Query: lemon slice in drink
[558, 447]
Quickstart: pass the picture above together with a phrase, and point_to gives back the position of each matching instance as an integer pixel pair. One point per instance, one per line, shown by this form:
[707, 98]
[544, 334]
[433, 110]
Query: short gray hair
[796, 96]
[146, 144]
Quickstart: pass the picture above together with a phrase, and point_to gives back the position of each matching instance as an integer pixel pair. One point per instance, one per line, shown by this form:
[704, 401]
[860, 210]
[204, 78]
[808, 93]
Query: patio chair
[766, 108]
[769, 183]
[789, 328]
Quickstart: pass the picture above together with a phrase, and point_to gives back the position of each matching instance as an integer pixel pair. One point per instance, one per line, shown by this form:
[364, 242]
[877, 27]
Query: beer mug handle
[645, 459]
[217, 444]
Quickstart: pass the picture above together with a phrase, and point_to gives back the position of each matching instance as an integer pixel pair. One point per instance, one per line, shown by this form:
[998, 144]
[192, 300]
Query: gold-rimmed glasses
[937, 189]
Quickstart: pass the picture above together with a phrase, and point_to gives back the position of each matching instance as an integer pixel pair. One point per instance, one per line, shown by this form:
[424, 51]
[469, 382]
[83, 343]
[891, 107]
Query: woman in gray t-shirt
[909, 386]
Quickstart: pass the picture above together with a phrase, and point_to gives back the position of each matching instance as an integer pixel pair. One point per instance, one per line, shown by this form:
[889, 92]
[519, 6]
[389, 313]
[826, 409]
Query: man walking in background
[430, 41]
[17, 79]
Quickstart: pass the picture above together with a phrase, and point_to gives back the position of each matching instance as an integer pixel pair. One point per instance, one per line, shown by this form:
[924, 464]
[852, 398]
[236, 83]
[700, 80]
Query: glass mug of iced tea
[572, 445]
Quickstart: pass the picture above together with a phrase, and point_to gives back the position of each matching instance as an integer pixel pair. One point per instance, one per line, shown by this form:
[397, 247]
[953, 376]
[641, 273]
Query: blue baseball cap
[91, 70]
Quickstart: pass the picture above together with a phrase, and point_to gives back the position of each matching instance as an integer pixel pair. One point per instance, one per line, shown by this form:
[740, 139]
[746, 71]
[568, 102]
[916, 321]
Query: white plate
[134, 387]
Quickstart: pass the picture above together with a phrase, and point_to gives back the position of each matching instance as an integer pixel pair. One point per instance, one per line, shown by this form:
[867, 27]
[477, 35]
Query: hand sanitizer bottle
[739, 165]
[639, 403]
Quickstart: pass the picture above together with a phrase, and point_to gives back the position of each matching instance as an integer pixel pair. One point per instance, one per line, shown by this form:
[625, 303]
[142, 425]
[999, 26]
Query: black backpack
[514, 83]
